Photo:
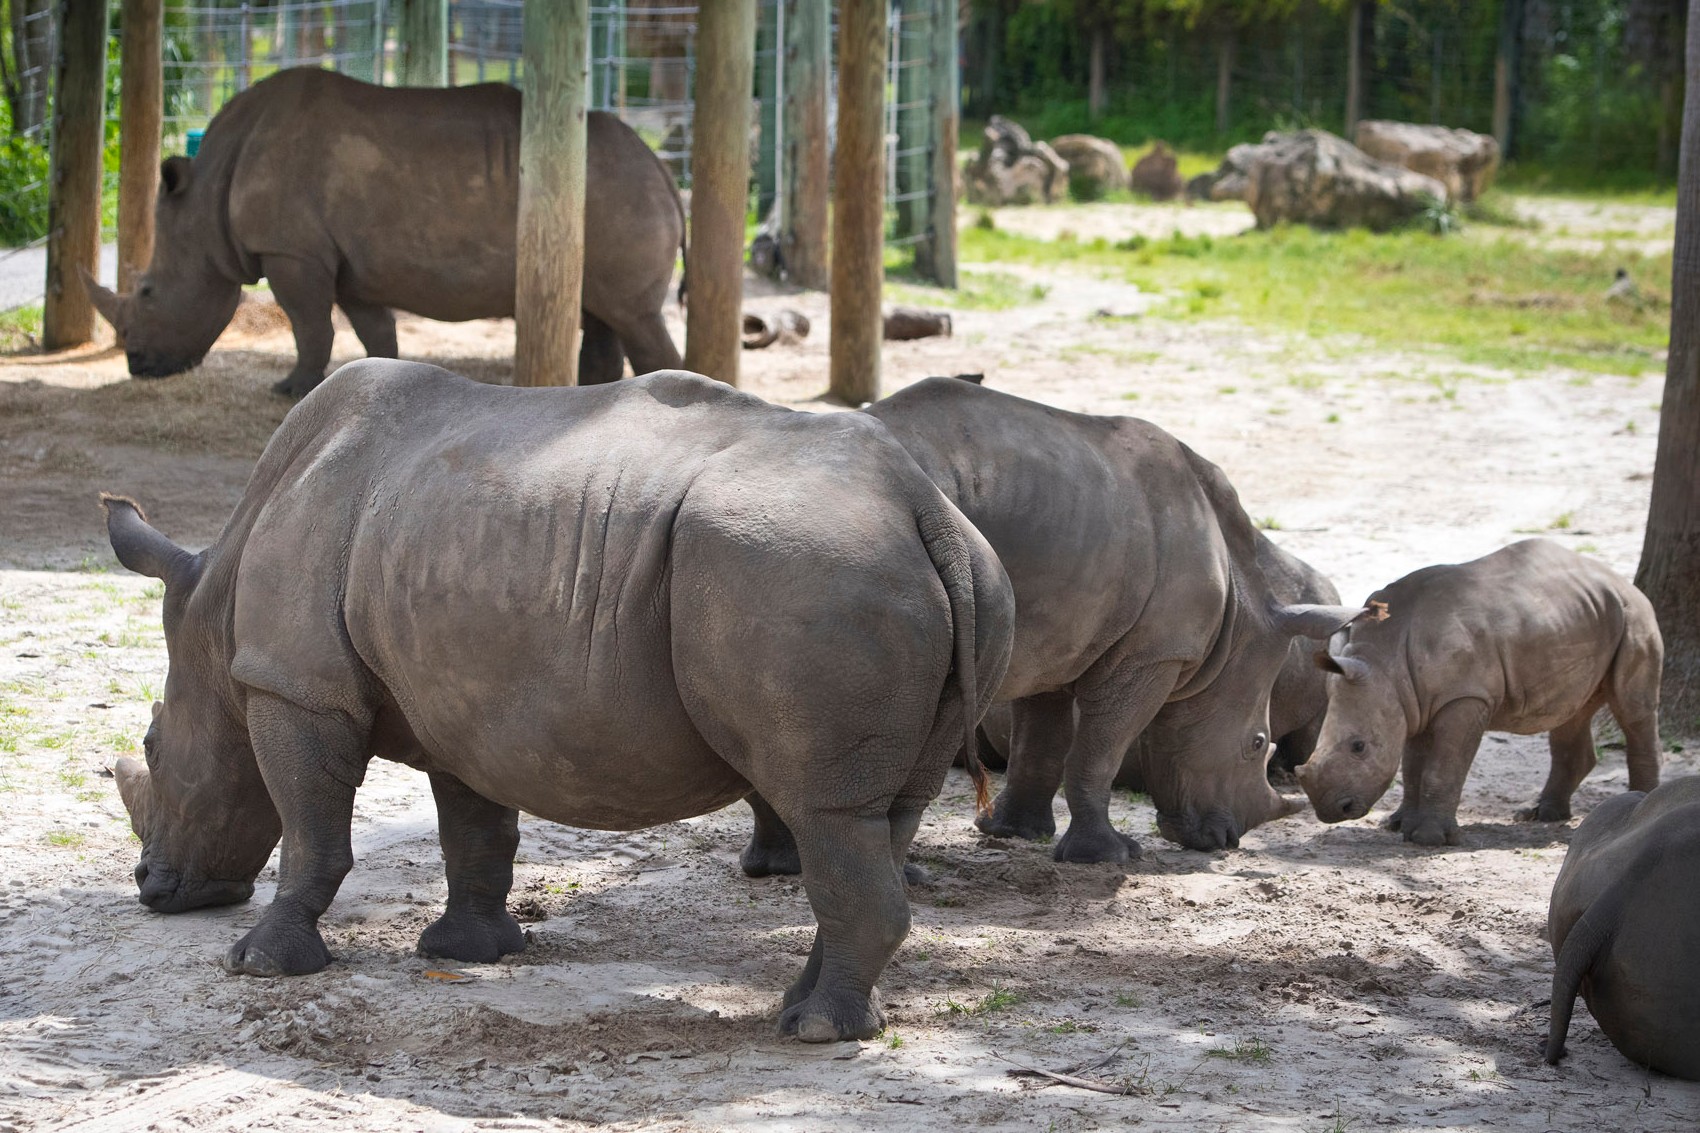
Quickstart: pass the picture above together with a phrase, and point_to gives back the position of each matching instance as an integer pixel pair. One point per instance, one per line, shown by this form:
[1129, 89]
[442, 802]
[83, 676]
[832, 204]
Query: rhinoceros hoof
[825, 1017]
[1432, 830]
[916, 875]
[763, 859]
[1010, 821]
[1545, 811]
[1107, 845]
[472, 939]
[1395, 821]
[272, 951]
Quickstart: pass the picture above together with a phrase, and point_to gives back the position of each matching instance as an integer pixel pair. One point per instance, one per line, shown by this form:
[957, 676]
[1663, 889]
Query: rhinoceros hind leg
[771, 848]
[305, 292]
[1573, 756]
[600, 358]
[648, 344]
[1041, 731]
[479, 838]
[374, 326]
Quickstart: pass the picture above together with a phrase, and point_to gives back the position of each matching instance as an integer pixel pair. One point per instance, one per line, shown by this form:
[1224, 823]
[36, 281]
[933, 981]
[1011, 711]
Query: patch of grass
[1269, 523]
[1253, 1052]
[20, 328]
[997, 999]
[1483, 297]
[1127, 999]
[977, 290]
[1562, 522]
[65, 838]
[893, 1040]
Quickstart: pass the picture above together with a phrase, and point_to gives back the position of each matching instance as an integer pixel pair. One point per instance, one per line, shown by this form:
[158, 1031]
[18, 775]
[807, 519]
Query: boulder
[1012, 169]
[1462, 160]
[1094, 165]
[1158, 174]
[1313, 177]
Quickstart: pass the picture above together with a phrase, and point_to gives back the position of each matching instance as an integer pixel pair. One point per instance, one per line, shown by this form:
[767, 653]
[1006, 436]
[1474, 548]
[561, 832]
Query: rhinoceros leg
[311, 764]
[772, 851]
[600, 358]
[1573, 756]
[1041, 732]
[1114, 709]
[647, 343]
[1632, 692]
[479, 839]
[305, 291]
[1454, 735]
[374, 326]
[1412, 762]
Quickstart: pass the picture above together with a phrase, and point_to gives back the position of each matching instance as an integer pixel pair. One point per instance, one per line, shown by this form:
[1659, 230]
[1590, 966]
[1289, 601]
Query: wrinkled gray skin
[1625, 928]
[1532, 638]
[1139, 603]
[338, 191]
[610, 607]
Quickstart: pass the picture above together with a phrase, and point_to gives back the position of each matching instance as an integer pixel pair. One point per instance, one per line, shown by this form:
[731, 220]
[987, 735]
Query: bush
[23, 191]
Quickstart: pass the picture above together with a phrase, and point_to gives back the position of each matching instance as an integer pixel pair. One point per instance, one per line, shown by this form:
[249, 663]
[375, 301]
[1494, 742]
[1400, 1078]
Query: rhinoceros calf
[1140, 605]
[338, 191]
[610, 607]
[1532, 638]
[1625, 929]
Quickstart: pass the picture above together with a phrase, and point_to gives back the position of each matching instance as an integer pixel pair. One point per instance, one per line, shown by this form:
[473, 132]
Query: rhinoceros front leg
[1411, 765]
[1113, 711]
[305, 291]
[1453, 737]
[479, 838]
[311, 764]
[374, 326]
[1041, 732]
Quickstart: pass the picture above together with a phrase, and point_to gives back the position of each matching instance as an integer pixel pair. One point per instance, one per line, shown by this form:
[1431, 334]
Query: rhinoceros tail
[1587, 939]
[954, 560]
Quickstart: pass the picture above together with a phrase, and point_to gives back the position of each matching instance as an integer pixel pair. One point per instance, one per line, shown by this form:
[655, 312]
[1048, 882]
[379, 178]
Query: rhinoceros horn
[1352, 668]
[107, 302]
[131, 776]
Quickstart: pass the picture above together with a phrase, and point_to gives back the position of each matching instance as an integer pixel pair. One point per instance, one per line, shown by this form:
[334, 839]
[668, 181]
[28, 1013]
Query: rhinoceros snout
[149, 366]
[166, 891]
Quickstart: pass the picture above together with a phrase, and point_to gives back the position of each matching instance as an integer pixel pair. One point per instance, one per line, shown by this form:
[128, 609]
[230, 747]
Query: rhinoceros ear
[142, 549]
[1323, 622]
[174, 175]
[1351, 668]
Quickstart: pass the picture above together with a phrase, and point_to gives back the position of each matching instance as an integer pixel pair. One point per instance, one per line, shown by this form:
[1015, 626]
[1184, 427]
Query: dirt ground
[1319, 978]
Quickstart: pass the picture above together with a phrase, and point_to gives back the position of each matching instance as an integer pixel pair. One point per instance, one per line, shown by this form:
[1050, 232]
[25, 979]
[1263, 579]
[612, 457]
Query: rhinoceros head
[1363, 737]
[182, 303]
[197, 803]
[1207, 768]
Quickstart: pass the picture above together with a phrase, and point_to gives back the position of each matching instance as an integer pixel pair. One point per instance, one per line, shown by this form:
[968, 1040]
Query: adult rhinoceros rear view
[338, 191]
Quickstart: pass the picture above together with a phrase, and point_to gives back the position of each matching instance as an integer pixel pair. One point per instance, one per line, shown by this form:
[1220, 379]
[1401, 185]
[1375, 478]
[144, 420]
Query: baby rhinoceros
[1625, 931]
[1532, 638]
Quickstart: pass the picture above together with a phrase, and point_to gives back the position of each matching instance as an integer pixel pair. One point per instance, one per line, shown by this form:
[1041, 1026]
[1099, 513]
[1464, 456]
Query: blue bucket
[194, 141]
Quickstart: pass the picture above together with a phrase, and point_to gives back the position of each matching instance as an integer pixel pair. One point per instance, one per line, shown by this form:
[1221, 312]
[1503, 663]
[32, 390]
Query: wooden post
[74, 173]
[720, 187]
[936, 258]
[1354, 66]
[1505, 68]
[858, 202]
[806, 176]
[424, 36]
[549, 279]
[1226, 46]
[141, 106]
[1095, 97]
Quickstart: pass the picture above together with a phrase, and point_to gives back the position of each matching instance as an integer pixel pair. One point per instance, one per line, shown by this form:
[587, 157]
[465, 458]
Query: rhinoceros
[1139, 602]
[1531, 638]
[1625, 929]
[611, 607]
[338, 191]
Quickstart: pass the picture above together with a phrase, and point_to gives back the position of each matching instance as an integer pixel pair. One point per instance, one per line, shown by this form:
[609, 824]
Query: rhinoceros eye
[1357, 747]
[1259, 743]
[150, 744]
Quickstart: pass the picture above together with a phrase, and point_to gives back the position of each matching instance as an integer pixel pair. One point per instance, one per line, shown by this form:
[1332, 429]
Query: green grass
[20, 327]
[1482, 297]
[66, 838]
[977, 290]
[995, 1000]
[1619, 186]
[1253, 1052]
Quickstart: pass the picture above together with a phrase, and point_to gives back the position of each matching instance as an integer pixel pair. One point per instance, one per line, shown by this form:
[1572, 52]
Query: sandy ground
[1319, 978]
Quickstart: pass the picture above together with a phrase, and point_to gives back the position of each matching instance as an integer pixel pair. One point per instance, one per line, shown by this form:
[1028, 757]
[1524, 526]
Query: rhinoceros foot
[278, 950]
[1546, 810]
[1431, 830]
[471, 938]
[1014, 816]
[824, 1016]
[768, 856]
[297, 385]
[1396, 821]
[1086, 846]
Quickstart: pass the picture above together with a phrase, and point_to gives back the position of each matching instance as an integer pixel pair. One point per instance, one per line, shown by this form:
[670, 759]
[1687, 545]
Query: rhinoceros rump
[1532, 638]
[1625, 929]
[610, 607]
[338, 191]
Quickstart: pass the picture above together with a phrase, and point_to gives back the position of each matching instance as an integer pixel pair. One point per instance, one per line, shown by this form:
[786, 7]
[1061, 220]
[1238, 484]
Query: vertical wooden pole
[937, 257]
[806, 177]
[1505, 68]
[424, 35]
[1095, 95]
[1226, 46]
[858, 202]
[720, 186]
[74, 174]
[1354, 66]
[141, 106]
[549, 280]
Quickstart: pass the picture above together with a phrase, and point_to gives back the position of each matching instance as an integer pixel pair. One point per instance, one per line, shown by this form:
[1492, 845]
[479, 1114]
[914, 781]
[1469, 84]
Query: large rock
[1012, 169]
[1313, 177]
[1462, 160]
[1158, 174]
[1094, 165]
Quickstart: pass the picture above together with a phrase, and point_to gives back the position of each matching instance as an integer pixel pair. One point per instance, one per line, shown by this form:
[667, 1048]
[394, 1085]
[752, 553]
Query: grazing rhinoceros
[1532, 638]
[1625, 928]
[335, 190]
[1139, 602]
[610, 607]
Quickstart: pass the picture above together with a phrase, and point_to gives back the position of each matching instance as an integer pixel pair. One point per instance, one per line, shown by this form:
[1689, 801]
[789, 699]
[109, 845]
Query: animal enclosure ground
[1319, 978]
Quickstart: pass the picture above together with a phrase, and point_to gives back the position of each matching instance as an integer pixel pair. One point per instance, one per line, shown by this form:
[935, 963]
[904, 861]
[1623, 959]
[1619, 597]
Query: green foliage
[23, 188]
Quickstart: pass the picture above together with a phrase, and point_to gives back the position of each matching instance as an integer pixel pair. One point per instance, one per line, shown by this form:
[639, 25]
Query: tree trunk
[1095, 76]
[806, 165]
[1226, 46]
[1354, 67]
[141, 92]
[1670, 555]
[858, 202]
[73, 194]
[1506, 66]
